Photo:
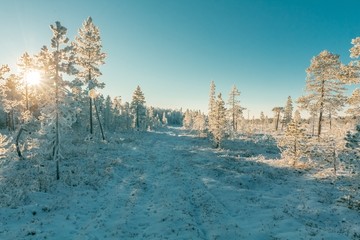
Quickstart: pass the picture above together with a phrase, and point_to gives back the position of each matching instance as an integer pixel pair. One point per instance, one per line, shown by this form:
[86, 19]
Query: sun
[33, 77]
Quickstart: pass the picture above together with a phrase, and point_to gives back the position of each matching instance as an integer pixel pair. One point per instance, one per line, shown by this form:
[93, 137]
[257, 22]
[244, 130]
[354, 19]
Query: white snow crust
[170, 184]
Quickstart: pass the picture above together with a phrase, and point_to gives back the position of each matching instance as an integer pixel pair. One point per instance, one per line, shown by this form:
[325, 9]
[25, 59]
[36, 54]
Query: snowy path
[168, 186]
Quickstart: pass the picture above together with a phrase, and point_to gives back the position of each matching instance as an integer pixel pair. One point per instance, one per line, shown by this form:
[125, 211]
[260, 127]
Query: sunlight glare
[33, 77]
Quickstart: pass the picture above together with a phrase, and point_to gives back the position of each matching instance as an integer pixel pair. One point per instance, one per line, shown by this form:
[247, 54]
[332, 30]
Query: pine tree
[354, 102]
[58, 114]
[89, 57]
[277, 111]
[297, 116]
[325, 90]
[44, 62]
[212, 103]
[3, 70]
[352, 145]
[138, 108]
[188, 120]
[108, 113]
[262, 120]
[199, 123]
[350, 74]
[293, 144]
[11, 97]
[127, 116]
[288, 110]
[26, 64]
[150, 116]
[164, 119]
[219, 126]
[235, 110]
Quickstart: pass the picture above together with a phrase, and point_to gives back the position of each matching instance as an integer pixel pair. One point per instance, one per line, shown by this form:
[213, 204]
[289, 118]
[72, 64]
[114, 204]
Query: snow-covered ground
[172, 185]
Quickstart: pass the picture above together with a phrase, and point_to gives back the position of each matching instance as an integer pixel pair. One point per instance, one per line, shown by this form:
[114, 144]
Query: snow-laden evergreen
[219, 124]
[58, 116]
[138, 108]
[211, 110]
[277, 114]
[235, 110]
[288, 111]
[325, 91]
[294, 141]
[89, 57]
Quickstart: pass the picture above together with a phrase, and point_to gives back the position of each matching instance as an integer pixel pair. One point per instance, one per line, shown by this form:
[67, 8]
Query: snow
[170, 184]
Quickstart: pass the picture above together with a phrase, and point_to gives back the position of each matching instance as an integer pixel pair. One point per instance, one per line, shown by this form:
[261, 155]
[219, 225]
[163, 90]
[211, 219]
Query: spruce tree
[352, 145]
[288, 110]
[293, 143]
[199, 123]
[219, 126]
[188, 120]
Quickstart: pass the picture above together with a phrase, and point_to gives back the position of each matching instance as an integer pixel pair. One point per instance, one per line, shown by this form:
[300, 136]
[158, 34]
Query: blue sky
[173, 49]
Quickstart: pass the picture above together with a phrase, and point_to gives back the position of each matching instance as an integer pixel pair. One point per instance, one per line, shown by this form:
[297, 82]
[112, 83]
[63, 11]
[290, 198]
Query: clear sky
[174, 48]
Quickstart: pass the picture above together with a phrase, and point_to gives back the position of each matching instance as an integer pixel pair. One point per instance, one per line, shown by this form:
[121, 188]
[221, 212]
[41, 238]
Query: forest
[61, 138]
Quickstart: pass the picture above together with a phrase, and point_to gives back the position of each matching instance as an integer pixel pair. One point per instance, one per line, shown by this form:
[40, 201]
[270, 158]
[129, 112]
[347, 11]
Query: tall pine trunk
[319, 123]
[91, 117]
[137, 121]
[57, 127]
[321, 107]
[90, 100]
[98, 118]
[277, 121]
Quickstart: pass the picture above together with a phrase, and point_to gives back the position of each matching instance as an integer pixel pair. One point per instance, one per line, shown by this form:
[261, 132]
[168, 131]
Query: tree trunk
[98, 118]
[295, 152]
[57, 127]
[321, 107]
[233, 121]
[90, 100]
[17, 143]
[319, 123]
[137, 122]
[313, 125]
[91, 117]
[26, 96]
[277, 121]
